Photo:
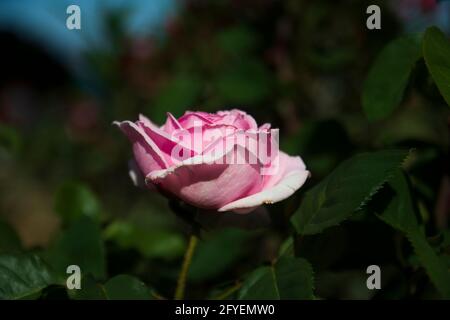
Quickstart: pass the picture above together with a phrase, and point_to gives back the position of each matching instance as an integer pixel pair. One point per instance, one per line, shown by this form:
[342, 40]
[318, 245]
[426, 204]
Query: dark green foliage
[351, 102]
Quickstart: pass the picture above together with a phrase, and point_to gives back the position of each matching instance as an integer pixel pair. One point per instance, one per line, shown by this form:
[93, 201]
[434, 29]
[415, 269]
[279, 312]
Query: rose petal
[241, 185]
[171, 124]
[238, 119]
[166, 143]
[284, 189]
[291, 176]
[191, 119]
[147, 154]
[286, 165]
[204, 183]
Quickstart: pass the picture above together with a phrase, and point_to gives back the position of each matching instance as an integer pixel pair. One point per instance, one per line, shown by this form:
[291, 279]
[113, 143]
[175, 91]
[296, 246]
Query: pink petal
[171, 124]
[291, 176]
[166, 143]
[286, 165]
[191, 119]
[238, 119]
[209, 185]
[147, 154]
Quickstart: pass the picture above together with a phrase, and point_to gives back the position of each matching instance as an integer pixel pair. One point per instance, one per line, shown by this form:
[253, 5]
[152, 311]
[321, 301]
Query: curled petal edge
[282, 190]
[206, 159]
[129, 127]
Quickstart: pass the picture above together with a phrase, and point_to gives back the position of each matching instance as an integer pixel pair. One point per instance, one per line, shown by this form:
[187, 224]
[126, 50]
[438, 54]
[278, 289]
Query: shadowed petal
[147, 154]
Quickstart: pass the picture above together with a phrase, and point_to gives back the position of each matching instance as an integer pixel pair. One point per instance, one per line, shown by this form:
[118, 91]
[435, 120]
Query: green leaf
[121, 287]
[74, 200]
[387, 79]
[290, 278]
[417, 124]
[436, 267]
[287, 248]
[81, 245]
[345, 190]
[436, 51]
[260, 284]
[399, 211]
[124, 287]
[9, 241]
[325, 249]
[23, 275]
[394, 206]
[218, 253]
[151, 242]
[90, 290]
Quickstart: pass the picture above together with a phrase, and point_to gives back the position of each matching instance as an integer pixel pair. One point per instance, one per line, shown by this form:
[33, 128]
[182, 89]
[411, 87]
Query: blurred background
[298, 64]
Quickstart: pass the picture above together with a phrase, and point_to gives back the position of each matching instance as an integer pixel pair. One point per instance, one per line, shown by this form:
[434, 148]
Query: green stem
[181, 283]
[229, 292]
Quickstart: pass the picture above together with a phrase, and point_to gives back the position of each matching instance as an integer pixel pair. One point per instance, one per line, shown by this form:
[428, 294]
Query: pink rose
[216, 161]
